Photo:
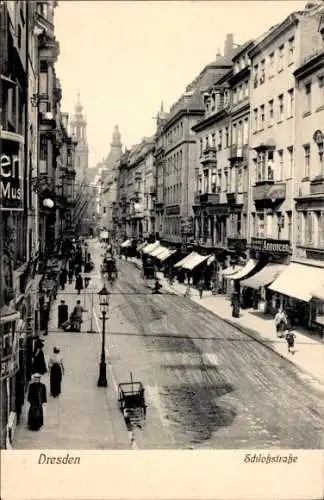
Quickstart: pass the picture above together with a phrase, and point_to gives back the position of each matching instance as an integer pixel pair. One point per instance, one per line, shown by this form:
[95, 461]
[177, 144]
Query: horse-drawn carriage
[109, 268]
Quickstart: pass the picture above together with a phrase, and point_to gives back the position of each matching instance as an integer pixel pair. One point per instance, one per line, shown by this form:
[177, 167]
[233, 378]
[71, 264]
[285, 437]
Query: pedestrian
[63, 278]
[39, 365]
[76, 316]
[235, 305]
[157, 286]
[36, 397]
[201, 287]
[79, 283]
[63, 313]
[45, 317]
[290, 338]
[70, 274]
[56, 369]
[281, 322]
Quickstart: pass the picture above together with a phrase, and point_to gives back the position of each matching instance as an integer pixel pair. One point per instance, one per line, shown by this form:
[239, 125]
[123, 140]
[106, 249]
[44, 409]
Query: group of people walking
[37, 392]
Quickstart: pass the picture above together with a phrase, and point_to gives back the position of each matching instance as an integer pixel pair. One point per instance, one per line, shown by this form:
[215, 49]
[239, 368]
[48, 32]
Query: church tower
[79, 133]
[115, 150]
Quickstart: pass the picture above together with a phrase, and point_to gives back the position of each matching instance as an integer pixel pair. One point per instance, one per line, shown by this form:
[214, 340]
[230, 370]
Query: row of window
[310, 228]
[275, 62]
[214, 140]
[173, 136]
[274, 112]
[172, 194]
[173, 163]
[241, 92]
[172, 225]
[230, 180]
[276, 226]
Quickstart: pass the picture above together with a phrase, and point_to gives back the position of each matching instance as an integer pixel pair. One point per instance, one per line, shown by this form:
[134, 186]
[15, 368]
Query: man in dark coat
[63, 278]
[63, 313]
[39, 365]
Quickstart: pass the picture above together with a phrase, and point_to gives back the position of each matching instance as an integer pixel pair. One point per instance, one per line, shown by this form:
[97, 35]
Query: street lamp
[104, 296]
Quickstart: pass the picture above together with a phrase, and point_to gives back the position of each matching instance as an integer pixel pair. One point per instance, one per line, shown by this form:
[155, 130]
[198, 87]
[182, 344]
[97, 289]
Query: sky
[126, 57]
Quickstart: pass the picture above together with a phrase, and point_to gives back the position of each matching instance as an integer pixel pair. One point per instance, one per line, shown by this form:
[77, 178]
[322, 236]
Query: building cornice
[310, 65]
[240, 109]
[210, 120]
[277, 31]
[179, 114]
[237, 77]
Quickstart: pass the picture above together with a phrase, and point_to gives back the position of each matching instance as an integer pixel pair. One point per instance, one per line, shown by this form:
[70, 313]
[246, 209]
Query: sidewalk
[83, 416]
[309, 351]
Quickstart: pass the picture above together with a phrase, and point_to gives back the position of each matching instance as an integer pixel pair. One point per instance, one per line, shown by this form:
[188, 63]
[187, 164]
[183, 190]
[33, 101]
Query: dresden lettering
[67, 459]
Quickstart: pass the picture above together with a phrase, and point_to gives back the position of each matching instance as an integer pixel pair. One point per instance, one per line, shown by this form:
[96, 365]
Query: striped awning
[264, 277]
[126, 244]
[157, 251]
[182, 261]
[298, 281]
[166, 254]
[150, 247]
[247, 269]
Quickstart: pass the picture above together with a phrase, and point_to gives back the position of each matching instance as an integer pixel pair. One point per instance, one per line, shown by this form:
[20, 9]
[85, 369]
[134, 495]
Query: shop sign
[270, 246]
[237, 244]
[11, 178]
[172, 210]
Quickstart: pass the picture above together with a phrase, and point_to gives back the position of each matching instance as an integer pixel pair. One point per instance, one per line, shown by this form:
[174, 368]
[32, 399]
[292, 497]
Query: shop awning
[126, 244]
[182, 261]
[298, 281]
[157, 251]
[210, 260]
[194, 261]
[8, 314]
[229, 271]
[264, 277]
[249, 266]
[166, 254]
[151, 246]
[318, 293]
[141, 246]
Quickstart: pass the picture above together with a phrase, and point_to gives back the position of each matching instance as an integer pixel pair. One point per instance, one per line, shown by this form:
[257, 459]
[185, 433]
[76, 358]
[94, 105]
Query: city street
[207, 384]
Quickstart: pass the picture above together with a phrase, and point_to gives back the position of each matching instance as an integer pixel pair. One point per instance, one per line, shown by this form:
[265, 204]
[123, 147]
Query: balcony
[269, 191]
[209, 156]
[238, 153]
[152, 190]
[209, 198]
[234, 198]
[317, 185]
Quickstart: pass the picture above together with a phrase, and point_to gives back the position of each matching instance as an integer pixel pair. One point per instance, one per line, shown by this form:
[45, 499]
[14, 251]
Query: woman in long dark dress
[36, 397]
[39, 365]
[56, 368]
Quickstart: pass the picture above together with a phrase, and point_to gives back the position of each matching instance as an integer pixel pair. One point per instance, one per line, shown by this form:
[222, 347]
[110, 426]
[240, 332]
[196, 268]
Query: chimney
[229, 45]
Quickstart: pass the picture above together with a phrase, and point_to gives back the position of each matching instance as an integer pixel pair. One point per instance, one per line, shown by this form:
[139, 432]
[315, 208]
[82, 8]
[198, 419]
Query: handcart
[131, 396]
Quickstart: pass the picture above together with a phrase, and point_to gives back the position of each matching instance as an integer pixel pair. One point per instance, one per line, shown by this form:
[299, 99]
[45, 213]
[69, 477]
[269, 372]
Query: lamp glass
[48, 203]
[104, 296]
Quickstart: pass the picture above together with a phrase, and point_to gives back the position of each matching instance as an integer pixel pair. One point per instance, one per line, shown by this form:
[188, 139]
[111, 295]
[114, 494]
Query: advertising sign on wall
[11, 172]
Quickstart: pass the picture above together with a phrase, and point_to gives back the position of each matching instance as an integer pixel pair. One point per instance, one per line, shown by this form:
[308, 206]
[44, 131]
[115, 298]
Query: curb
[250, 332]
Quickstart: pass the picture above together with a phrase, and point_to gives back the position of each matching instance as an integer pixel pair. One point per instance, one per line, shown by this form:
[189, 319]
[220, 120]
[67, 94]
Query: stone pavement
[84, 416]
[309, 350]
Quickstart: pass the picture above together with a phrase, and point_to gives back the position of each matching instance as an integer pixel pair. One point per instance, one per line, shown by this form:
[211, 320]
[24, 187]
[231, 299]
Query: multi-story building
[79, 133]
[136, 188]
[274, 183]
[176, 155]
[309, 146]
[109, 182]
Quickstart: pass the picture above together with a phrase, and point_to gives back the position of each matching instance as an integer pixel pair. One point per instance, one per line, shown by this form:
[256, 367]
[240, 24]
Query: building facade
[109, 182]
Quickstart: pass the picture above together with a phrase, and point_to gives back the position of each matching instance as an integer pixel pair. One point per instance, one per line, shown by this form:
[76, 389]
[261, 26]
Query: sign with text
[270, 246]
[11, 176]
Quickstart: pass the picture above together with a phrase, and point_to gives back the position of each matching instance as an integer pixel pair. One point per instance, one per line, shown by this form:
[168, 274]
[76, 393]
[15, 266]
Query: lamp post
[104, 296]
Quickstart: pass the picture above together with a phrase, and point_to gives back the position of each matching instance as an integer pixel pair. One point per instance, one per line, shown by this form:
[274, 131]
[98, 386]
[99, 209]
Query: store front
[296, 287]
[9, 348]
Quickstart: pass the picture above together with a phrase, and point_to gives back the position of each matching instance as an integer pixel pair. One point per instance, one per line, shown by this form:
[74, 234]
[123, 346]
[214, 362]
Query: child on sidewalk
[290, 338]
